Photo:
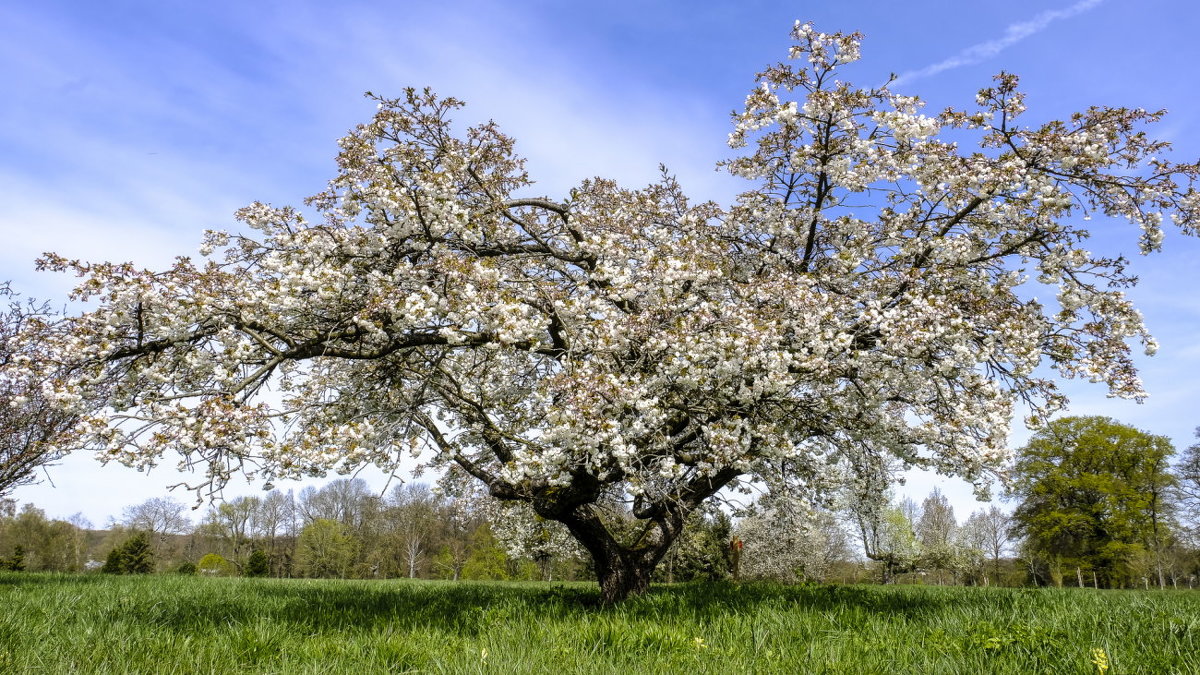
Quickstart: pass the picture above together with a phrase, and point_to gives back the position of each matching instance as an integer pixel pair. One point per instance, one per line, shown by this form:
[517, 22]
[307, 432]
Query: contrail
[1012, 35]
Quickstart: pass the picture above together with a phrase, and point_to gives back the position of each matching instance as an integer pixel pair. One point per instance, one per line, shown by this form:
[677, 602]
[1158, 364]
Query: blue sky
[126, 128]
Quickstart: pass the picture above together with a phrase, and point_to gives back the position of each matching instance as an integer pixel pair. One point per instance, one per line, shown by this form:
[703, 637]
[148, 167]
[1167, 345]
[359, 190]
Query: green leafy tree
[112, 563]
[49, 545]
[486, 559]
[701, 552]
[325, 549]
[1095, 497]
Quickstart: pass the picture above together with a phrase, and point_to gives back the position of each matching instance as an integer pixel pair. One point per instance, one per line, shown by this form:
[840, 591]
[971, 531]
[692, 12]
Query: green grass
[164, 624]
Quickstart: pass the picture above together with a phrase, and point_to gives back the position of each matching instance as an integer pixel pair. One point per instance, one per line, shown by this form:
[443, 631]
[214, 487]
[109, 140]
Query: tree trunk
[623, 570]
[621, 577]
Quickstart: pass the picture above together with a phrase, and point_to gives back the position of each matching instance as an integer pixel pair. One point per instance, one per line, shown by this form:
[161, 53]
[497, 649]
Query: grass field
[166, 624]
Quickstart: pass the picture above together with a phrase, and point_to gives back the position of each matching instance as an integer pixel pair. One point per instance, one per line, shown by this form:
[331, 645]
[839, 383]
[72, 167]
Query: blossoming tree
[31, 417]
[862, 300]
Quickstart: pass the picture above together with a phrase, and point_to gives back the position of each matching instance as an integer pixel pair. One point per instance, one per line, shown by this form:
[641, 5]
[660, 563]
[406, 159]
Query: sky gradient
[126, 128]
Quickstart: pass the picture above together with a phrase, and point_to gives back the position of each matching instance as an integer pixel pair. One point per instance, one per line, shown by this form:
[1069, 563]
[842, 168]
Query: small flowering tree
[788, 546]
[859, 301]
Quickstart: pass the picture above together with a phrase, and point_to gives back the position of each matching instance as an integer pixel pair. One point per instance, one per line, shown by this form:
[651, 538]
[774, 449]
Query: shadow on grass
[465, 608]
[469, 608]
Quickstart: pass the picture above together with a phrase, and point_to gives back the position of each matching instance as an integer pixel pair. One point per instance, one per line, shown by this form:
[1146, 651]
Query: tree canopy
[860, 301]
[1095, 494]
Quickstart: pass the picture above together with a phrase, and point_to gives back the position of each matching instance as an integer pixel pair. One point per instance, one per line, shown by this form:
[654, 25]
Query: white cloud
[1012, 35]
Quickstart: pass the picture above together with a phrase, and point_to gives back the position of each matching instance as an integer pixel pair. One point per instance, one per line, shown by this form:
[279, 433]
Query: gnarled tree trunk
[623, 570]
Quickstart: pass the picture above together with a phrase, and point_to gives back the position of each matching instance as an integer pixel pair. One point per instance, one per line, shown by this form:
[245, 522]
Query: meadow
[174, 624]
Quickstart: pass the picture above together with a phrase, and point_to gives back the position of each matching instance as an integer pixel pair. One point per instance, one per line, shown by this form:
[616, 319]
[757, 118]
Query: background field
[87, 624]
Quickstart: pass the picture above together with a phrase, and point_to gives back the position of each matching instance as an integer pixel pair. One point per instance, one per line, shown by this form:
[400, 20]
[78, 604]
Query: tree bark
[623, 570]
[621, 577]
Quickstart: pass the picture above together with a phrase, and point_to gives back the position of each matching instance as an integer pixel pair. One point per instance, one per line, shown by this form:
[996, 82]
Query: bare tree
[414, 508]
[935, 530]
[995, 529]
[1188, 491]
[160, 517]
[231, 523]
[345, 500]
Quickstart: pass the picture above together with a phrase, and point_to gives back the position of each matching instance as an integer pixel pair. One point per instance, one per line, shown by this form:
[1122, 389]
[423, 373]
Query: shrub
[215, 565]
[258, 565]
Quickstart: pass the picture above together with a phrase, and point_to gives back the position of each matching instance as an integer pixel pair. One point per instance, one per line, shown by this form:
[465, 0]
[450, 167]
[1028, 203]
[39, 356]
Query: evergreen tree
[258, 565]
[134, 556]
[138, 556]
[15, 562]
[114, 563]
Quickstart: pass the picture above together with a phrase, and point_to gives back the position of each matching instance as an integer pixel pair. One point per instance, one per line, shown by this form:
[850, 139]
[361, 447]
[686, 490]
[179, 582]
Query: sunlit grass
[162, 624]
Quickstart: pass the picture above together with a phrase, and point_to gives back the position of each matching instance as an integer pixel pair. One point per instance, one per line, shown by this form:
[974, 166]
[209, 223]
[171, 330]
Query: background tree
[258, 564]
[702, 551]
[1188, 495]
[162, 518]
[866, 297]
[30, 421]
[787, 545]
[325, 549]
[413, 512]
[215, 565]
[462, 517]
[485, 558]
[275, 525]
[970, 554]
[134, 556]
[46, 545]
[936, 529]
[15, 562]
[1093, 497]
[991, 530]
[348, 501]
[229, 526]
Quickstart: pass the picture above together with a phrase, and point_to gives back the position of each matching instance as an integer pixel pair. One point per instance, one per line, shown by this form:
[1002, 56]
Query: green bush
[258, 565]
[215, 565]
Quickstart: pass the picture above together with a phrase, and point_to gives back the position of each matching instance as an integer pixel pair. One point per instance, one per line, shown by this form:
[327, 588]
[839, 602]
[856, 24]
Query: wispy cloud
[1012, 35]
